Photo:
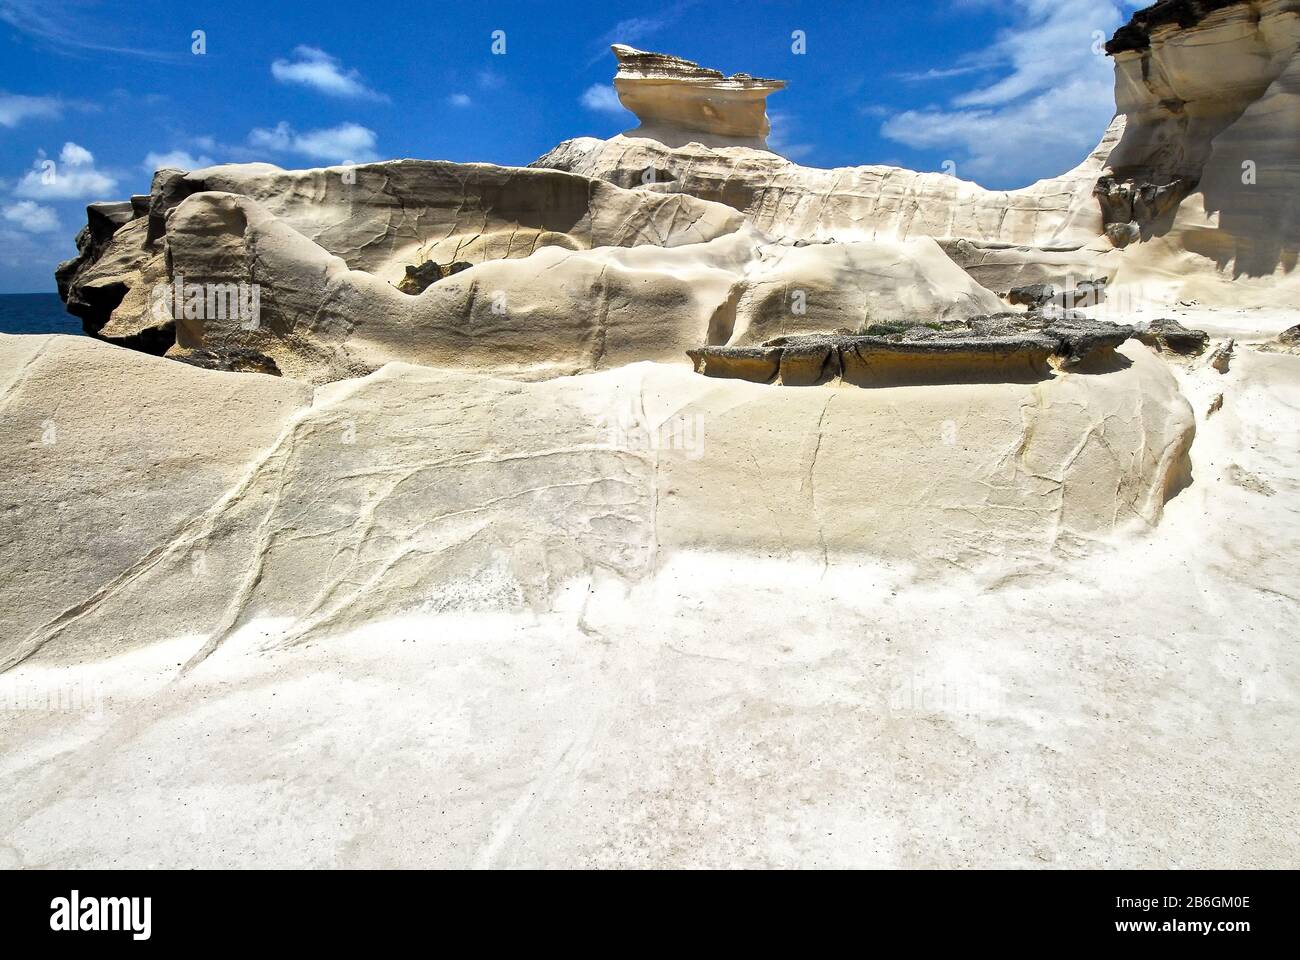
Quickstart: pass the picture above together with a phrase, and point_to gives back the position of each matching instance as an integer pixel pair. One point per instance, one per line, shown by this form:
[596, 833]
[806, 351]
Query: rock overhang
[671, 93]
[1135, 36]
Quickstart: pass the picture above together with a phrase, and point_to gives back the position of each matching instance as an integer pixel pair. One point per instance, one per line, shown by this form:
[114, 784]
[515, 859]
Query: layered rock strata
[1009, 348]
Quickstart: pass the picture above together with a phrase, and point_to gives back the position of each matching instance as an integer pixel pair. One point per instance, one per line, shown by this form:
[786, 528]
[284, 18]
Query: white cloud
[778, 141]
[460, 100]
[75, 155]
[177, 160]
[939, 73]
[32, 217]
[346, 143]
[602, 98]
[72, 177]
[490, 80]
[1045, 114]
[278, 138]
[313, 67]
[15, 108]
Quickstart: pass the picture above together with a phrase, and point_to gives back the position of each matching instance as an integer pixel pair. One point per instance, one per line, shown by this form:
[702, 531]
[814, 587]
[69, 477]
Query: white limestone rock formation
[490, 576]
[379, 219]
[1004, 238]
[678, 101]
[555, 273]
[371, 498]
[1202, 188]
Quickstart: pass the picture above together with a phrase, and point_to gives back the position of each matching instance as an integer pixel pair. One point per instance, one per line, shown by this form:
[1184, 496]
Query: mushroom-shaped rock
[677, 100]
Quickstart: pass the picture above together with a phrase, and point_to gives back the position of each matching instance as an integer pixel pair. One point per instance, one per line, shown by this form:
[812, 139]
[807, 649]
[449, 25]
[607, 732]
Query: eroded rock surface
[327, 250]
[593, 612]
[402, 491]
[1286, 342]
[1170, 336]
[1207, 164]
[1136, 34]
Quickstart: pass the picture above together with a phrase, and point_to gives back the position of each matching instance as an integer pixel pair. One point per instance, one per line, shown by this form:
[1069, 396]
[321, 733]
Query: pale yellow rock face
[1003, 238]
[381, 217]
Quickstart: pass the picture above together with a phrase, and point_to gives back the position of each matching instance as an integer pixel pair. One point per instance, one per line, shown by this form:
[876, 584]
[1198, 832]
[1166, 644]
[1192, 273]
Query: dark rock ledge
[1004, 348]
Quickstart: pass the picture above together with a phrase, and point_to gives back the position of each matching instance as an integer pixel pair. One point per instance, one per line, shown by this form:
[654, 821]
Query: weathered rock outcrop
[1039, 296]
[419, 278]
[1170, 336]
[107, 284]
[1007, 348]
[678, 101]
[1194, 184]
[1286, 342]
[1207, 173]
[601, 614]
[309, 240]
[1003, 238]
[570, 274]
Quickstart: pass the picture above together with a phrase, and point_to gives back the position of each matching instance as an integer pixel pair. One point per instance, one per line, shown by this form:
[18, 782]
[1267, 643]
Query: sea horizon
[36, 313]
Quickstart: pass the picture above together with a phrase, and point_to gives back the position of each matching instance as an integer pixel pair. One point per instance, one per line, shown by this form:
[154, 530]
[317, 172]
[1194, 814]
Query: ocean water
[35, 313]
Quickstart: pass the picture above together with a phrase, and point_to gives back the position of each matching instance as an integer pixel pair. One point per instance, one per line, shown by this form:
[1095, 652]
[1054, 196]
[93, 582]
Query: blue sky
[1007, 90]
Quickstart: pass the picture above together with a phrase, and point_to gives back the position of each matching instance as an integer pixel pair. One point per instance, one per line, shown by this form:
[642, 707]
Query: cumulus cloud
[72, 177]
[346, 143]
[15, 108]
[176, 159]
[1046, 111]
[32, 217]
[313, 67]
[460, 100]
[602, 98]
[75, 155]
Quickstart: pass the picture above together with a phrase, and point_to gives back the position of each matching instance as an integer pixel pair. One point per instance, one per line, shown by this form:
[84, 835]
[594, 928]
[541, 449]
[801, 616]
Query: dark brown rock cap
[1136, 34]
